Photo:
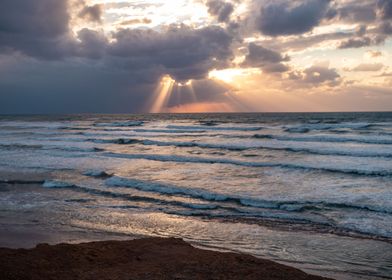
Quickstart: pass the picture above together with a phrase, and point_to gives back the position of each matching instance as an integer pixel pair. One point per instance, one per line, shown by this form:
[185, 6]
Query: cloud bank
[75, 56]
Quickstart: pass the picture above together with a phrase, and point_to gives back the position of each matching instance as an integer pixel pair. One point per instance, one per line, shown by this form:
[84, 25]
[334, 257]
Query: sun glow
[184, 84]
[231, 75]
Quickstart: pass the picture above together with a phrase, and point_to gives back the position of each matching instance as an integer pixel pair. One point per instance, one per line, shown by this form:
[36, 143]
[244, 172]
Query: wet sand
[148, 258]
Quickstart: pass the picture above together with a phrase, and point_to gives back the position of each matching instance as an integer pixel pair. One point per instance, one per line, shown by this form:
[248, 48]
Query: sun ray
[162, 94]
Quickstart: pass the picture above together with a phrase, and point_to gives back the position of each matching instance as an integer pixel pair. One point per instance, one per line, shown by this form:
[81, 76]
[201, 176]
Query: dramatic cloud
[318, 74]
[101, 56]
[36, 28]
[92, 44]
[291, 17]
[220, 9]
[385, 28]
[356, 11]
[182, 52]
[268, 60]
[385, 8]
[92, 13]
[356, 43]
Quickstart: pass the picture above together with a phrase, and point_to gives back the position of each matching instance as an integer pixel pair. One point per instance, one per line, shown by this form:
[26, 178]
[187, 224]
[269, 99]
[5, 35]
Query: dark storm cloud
[299, 43]
[220, 9]
[54, 71]
[180, 51]
[385, 8]
[268, 60]
[316, 75]
[376, 12]
[92, 13]
[285, 18]
[40, 29]
[291, 17]
[258, 55]
[320, 74]
[355, 43]
[360, 42]
[385, 28]
[357, 12]
[58, 71]
[32, 86]
[36, 28]
[93, 44]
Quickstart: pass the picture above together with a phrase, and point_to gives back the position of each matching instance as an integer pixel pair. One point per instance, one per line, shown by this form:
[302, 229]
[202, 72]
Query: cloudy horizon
[119, 56]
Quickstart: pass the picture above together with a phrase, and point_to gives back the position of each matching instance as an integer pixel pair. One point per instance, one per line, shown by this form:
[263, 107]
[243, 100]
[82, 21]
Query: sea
[311, 190]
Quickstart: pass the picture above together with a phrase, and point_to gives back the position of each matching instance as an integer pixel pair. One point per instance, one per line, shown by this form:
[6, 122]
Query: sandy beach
[149, 258]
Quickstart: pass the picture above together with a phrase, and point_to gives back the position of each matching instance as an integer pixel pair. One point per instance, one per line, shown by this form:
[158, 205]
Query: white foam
[164, 189]
[328, 138]
[354, 151]
[329, 167]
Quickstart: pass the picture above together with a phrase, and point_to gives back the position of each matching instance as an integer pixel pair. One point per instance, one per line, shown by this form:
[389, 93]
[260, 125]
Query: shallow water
[310, 190]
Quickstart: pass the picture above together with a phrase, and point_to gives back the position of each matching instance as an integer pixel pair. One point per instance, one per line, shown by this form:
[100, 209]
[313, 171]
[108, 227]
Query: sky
[181, 56]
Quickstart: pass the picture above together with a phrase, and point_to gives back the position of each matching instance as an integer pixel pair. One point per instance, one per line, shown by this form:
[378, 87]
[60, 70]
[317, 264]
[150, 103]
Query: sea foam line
[326, 138]
[186, 159]
[290, 205]
[264, 146]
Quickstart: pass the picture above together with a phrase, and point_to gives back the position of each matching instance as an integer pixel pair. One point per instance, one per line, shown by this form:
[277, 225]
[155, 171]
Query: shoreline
[145, 258]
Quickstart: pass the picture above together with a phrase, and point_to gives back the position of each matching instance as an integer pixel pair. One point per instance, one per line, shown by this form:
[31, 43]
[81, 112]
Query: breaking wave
[185, 159]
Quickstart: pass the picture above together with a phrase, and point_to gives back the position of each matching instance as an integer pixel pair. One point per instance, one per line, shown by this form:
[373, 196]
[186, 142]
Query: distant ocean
[312, 190]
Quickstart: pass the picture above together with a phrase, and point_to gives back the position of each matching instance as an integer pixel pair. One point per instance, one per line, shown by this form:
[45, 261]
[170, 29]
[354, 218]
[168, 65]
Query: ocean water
[309, 190]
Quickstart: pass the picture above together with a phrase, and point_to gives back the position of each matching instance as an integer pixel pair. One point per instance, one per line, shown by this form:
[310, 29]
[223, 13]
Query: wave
[119, 141]
[235, 128]
[121, 124]
[75, 149]
[170, 130]
[185, 159]
[20, 146]
[304, 128]
[264, 146]
[290, 206]
[224, 206]
[124, 196]
[57, 184]
[22, 182]
[80, 200]
[208, 123]
[326, 138]
[73, 128]
[98, 174]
